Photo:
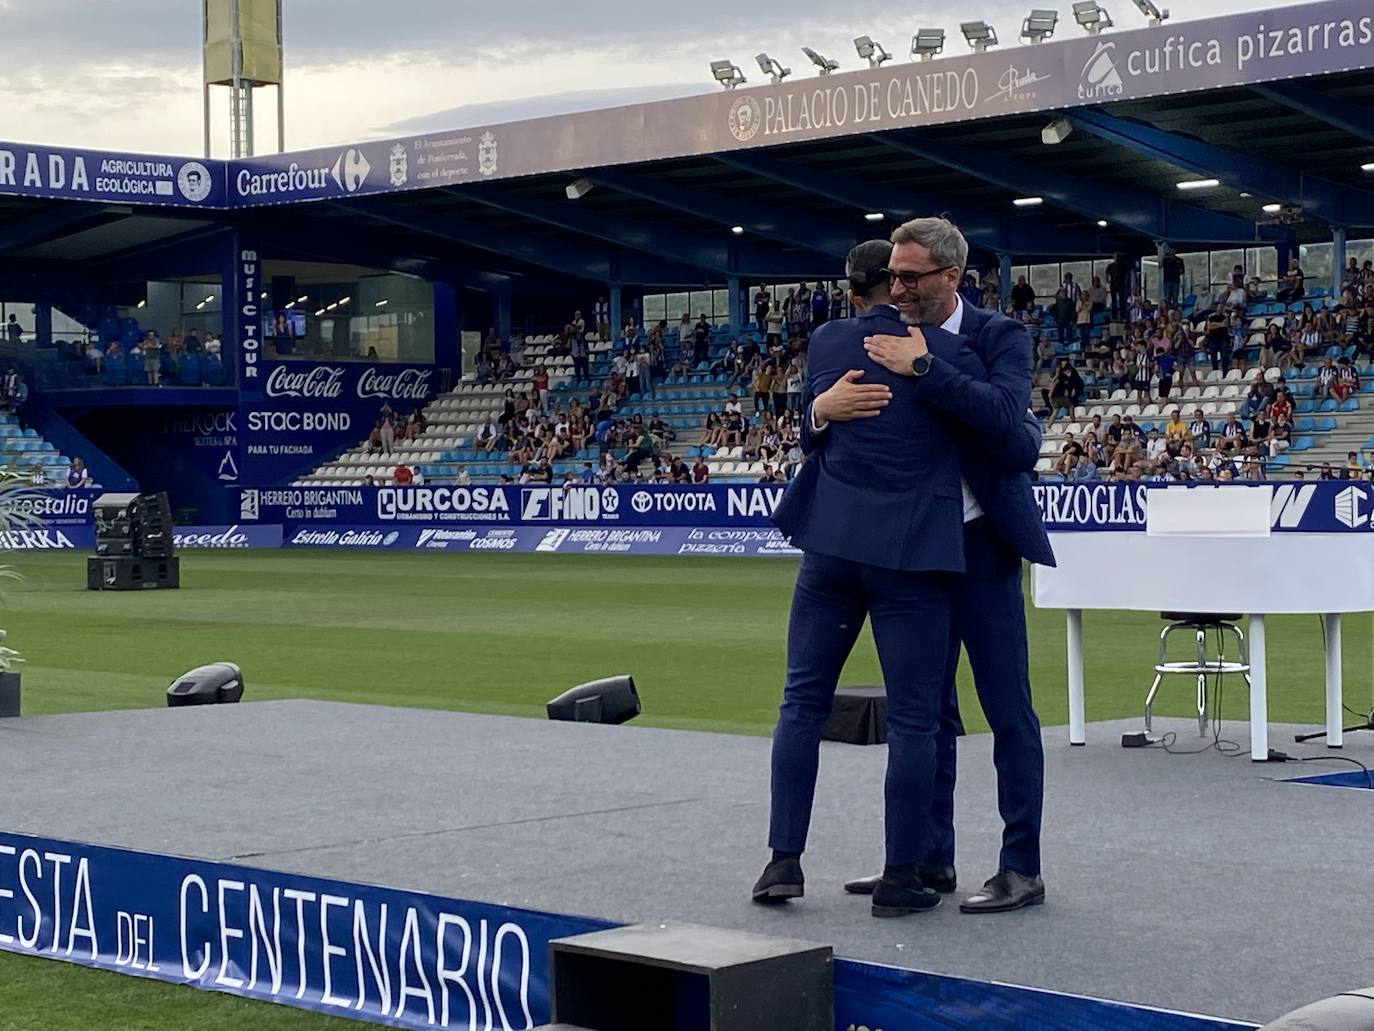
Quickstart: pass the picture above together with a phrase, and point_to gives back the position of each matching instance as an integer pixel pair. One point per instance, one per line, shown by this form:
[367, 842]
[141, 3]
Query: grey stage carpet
[1196, 883]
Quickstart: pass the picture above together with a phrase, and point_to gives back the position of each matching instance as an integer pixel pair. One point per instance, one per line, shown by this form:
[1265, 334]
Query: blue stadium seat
[1305, 407]
[117, 373]
[1305, 425]
[190, 370]
[1302, 444]
[1350, 404]
[1327, 425]
[212, 370]
[1329, 405]
[135, 367]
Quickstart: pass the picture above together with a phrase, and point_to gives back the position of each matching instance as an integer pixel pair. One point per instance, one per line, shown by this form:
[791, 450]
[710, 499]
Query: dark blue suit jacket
[986, 388]
[883, 491]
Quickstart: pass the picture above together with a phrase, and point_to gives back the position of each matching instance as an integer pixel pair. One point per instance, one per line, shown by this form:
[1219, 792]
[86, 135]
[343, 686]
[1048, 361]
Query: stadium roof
[1277, 105]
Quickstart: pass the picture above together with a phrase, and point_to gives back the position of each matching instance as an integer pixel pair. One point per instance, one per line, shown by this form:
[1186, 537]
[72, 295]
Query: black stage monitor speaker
[612, 700]
[215, 684]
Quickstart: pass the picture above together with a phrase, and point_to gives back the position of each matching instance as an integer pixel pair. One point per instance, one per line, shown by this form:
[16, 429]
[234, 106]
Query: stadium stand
[677, 409]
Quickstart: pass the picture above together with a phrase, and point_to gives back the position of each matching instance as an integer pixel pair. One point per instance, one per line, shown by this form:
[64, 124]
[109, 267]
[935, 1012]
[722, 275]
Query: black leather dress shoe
[1006, 890]
[902, 896]
[941, 878]
[781, 880]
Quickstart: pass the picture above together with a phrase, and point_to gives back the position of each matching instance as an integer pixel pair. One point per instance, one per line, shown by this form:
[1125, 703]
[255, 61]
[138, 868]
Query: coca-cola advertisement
[310, 411]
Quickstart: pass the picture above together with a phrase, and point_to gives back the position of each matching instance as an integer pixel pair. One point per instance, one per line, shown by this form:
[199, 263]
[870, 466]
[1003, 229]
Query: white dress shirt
[972, 510]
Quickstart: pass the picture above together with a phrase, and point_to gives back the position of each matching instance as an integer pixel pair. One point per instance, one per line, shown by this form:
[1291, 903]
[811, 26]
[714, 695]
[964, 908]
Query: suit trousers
[911, 619]
[989, 620]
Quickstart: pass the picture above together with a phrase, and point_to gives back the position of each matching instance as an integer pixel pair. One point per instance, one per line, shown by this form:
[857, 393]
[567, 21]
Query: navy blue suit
[879, 516]
[987, 391]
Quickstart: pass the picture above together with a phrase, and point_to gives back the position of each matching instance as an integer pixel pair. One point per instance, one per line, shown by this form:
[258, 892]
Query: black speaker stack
[134, 549]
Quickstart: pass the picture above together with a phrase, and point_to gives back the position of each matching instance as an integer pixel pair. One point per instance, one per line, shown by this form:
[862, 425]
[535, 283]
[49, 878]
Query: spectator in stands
[1065, 317]
[762, 306]
[763, 388]
[839, 303]
[1347, 379]
[1083, 318]
[1291, 286]
[713, 433]
[774, 324]
[629, 335]
[1218, 335]
[13, 330]
[1096, 295]
[402, 476]
[1324, 386]
[1072, 290]
[1171, 277]
[1231, 439]
[701, 472]
[793, 384]
[1142, 373]
[701, 340]
[1118, 272]
[1164, 367]
[1280, 437]
[1070, 450]
[1022, 298]
[485, 439]
[581, 357]
[1258, 397]
[152, 359]
[1066, 391]
[820, 305]
[1200, 430]
[640, 452]
[77, 474]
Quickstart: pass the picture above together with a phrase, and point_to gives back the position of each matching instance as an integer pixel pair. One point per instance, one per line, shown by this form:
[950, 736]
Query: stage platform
[1195, 883]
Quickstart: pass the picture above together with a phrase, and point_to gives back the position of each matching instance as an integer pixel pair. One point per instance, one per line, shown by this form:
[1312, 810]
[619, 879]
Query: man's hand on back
[897, 353]
[849, 399]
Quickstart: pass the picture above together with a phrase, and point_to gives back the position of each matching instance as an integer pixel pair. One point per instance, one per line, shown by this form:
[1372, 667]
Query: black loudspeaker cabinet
[216, 684]
[129, 573]
[612, 700]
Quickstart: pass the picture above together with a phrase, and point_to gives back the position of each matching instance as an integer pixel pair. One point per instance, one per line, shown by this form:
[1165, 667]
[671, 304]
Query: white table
[1324, 574]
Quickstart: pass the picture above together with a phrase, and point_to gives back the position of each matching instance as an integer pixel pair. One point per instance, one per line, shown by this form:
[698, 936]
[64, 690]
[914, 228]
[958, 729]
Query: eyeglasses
[911, 280]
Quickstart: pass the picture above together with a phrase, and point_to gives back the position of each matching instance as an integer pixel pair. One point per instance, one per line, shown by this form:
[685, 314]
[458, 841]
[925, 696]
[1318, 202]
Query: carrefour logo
[549, 504]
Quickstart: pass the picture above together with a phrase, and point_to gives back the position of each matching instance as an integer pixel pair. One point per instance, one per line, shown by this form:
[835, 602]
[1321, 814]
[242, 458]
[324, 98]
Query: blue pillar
[42, 323]
[447, 322]
[1004, 275]
[1285, 252]
[500, 312]
[735, 306]
[1337, 259]
[617, 315]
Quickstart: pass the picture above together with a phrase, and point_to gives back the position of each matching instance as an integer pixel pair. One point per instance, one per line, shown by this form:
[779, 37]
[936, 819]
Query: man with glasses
[878, 517]
[1002, 526]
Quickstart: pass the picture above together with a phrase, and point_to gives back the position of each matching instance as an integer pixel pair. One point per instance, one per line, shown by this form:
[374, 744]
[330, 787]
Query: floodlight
[1101, 223]
[771, 68]
[927, 43]
[871, 52]
[1028, 202]
[1156, 16]
[1056, 132]
[823, 63]
[1039, 26]
[727, 73]
[1368, 166]
[980, 35]
[1198, 184]
[1091, 16]
[578, 188]
[1272, 209]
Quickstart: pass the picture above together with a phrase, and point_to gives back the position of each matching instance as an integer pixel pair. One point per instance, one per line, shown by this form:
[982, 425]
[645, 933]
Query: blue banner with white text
[1326, 506]
[32, 170]
[585, 505]
[399, 958]
[408, 959]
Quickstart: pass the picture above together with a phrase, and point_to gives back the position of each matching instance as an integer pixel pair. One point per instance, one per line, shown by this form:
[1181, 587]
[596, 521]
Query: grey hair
[940, 236]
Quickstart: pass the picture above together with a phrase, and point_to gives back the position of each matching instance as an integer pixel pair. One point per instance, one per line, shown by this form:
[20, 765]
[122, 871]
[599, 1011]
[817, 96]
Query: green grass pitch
[703, 637]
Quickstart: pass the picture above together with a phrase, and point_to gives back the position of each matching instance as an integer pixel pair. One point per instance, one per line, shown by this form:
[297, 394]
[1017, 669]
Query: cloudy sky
[125, 74]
